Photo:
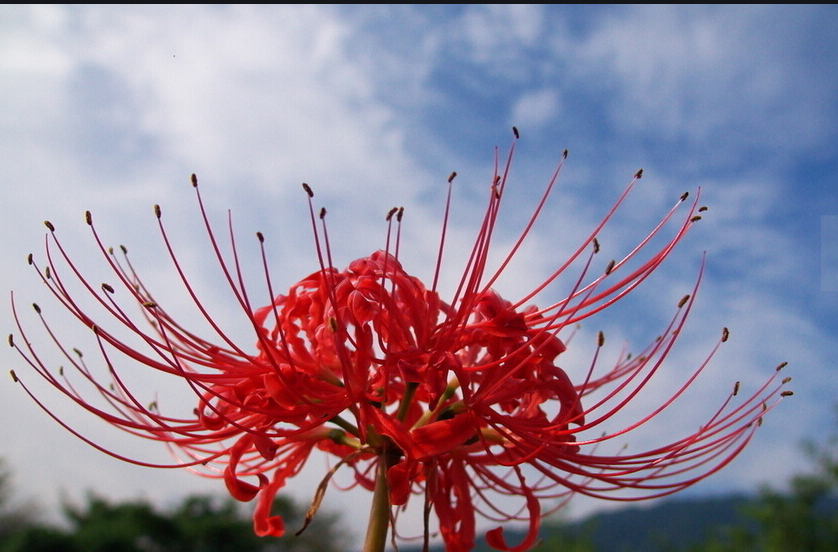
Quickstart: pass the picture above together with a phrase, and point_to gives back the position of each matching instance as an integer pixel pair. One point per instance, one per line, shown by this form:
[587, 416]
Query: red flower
[462, 402]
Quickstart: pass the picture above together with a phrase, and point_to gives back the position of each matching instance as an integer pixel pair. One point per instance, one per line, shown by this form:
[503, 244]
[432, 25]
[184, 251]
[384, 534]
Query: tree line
[199, 523]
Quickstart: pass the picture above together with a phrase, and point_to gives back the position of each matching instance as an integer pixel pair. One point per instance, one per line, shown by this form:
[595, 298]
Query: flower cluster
[461, 403]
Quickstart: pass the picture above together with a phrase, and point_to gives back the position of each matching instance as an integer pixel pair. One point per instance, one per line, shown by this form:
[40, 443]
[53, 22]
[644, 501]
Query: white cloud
[497, 33]
[724, 73]
[536, 109]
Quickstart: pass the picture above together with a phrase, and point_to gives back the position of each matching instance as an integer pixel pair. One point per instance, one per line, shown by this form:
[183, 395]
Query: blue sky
[111, 108]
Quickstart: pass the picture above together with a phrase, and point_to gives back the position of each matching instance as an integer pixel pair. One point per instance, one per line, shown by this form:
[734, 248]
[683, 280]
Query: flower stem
[379, 523]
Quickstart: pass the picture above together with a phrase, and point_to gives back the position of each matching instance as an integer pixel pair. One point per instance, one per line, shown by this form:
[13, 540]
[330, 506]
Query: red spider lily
[460, 402]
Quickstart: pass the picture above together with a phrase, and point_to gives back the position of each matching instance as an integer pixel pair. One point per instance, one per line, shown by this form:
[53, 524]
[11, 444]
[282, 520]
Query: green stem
[379, 523]
[409, 391]
[340, 422]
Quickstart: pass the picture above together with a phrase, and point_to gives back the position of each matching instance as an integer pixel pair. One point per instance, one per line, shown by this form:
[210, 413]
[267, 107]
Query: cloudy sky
[112, 108]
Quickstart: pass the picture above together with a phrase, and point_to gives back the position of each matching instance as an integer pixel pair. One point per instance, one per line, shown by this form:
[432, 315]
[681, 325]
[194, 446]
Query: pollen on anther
[725, 334]
[149, 304]
[390, 213]
[684, 196]
[683, 301]
[123, 249]
[107, 287]
[157, 211]
[29, 259]
[496, 188]
[49, 225]
[47, 273]
[596, 245]
[14, 376]
[11, 340]
[702, 208]
[780, 366]
[564, 154]
[786, 380]
[400, 214]
[260, 237]
[695, 218]
[452, 176]
[322, 213]
[735, 388]
[515, 132]
[610, 267]
[333, 324]
[308, 190]
[639, 174]
[194, 180]
[787, 393]
[88, 218]
[601, 339]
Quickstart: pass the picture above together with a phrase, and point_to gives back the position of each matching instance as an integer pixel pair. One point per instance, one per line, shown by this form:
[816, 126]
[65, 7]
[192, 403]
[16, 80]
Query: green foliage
[38, 539]
[13, 516]
[128, 527]
[198, 524]
[802, 519]
[213, 525]
[562, 538]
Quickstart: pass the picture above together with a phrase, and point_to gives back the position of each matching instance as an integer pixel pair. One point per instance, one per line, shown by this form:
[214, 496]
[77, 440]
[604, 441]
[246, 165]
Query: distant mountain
[669, 525]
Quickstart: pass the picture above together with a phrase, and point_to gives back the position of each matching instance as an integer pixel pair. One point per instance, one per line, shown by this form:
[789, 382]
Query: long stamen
[438, 266]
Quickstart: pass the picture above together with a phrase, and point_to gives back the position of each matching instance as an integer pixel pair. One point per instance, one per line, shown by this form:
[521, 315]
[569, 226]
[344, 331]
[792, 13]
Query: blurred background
[111, 108]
